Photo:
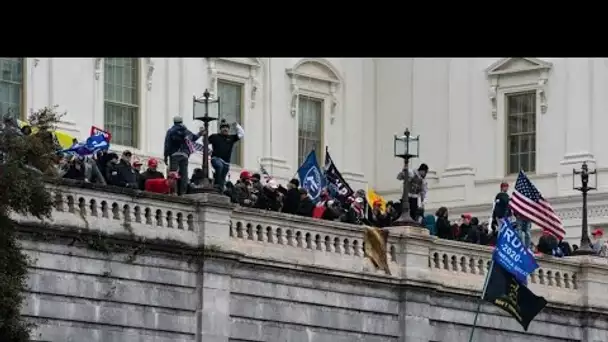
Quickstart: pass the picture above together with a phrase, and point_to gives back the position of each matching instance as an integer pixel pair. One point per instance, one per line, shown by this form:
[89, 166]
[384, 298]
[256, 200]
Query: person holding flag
[506, 282]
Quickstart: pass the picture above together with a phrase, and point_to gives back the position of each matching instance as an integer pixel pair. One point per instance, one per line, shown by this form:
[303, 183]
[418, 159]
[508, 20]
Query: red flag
[98, 131]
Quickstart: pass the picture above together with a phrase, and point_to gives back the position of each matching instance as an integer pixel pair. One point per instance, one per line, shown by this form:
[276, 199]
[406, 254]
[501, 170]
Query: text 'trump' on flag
[527, 201]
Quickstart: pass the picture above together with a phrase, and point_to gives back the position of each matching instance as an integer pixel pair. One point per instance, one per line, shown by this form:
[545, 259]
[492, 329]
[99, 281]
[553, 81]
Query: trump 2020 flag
[504, 291]
[311, 177]
[93, 145]
[512, 255]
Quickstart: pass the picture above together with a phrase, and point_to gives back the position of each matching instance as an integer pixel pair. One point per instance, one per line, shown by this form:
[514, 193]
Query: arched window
[11, 87]
[235, 81]
[121, 100]
[315, 84]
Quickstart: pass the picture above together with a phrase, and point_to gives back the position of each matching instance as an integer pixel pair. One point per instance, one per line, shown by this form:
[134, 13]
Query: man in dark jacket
[242, 190]
[150, 173]
[465, 227]
[177, 151]
[222, 144]
[123, 174]
[76, 170]
[306, 206]
[501, 204]
[269, 198]
[291, 201]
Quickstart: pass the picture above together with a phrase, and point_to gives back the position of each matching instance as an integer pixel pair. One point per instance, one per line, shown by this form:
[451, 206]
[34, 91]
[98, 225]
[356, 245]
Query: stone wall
[140, 273]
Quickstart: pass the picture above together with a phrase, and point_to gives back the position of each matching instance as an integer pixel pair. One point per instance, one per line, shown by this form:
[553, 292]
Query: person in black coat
[444, 228]
[269, 198]
[123, 174]
[306, 206]
[76, 170]
[291, 201]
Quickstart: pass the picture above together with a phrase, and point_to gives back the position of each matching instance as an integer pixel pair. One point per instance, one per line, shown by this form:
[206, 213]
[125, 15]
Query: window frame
[507, 153]
[315, 78]
[23, 90]
[244, 71]
[234, 81]
[516, 75]
[137, 124]
[310, 96]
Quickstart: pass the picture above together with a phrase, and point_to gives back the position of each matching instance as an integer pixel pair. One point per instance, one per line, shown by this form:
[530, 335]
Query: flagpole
[480, 300]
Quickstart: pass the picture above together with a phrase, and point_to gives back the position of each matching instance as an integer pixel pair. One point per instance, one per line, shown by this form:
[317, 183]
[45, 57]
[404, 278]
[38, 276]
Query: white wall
[444, 100]
[448, 101]
[76, 85]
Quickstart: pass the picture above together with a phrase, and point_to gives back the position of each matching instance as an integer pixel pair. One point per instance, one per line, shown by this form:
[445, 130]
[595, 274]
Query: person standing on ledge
[418, 189]
[501, 205]
[177, 151]
[222, 144]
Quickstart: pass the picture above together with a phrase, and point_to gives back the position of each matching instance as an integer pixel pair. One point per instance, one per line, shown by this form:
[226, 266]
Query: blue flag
[93, 145]
[311, 177]
[512, 255]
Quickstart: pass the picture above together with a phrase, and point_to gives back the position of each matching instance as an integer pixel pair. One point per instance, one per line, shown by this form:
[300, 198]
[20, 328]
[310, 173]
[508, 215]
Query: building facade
[480, 120]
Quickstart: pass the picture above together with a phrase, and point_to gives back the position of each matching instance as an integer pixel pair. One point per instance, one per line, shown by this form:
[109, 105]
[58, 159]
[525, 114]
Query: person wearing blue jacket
[429, 222]
[177, 151]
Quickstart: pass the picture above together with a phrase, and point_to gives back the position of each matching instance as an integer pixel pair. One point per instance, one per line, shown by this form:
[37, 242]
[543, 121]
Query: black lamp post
[200, 111]
[406, 147]
[585, 247]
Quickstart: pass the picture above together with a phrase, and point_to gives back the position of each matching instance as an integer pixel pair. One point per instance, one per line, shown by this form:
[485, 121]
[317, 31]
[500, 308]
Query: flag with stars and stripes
[194, 147]
[527, 201]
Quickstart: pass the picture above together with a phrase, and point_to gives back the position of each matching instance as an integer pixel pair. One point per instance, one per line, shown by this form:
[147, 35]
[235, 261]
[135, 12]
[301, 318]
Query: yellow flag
[64, 139]
[372, 197]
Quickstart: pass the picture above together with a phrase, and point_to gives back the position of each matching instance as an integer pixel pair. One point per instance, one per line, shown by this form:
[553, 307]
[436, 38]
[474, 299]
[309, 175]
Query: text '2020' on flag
[512, 255]
[527, 201]
[311, 177]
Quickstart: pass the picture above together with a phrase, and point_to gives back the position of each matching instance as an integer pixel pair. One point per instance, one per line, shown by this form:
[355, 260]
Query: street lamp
[201, 108]
[406, 147]
[585, 247]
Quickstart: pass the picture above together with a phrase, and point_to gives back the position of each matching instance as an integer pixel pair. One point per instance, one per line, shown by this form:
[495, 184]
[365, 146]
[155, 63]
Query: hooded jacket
[175, 140]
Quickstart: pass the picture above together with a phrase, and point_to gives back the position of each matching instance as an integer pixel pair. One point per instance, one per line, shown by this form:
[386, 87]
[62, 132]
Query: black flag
[504, 291]
[336, 184]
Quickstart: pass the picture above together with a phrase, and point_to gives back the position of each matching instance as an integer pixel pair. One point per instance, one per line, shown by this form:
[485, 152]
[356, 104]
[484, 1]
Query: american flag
[530, 204]
[194, 147]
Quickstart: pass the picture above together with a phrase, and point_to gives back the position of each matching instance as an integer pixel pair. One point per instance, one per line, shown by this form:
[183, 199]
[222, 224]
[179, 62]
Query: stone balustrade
[415, 257]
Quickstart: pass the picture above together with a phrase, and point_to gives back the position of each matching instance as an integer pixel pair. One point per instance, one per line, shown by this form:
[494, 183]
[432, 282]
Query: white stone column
[578, 111]
[459, 118]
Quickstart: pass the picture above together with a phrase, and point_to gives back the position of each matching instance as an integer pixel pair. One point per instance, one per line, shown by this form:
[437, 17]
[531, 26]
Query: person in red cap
[501, 205]
[596, 240]
[150, 173]
[242, 190]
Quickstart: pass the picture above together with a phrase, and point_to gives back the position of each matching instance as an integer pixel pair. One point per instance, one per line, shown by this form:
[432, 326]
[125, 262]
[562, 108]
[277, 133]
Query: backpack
[178, 138]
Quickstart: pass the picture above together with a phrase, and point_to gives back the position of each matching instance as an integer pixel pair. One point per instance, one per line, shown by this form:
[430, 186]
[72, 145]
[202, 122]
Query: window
[11, 86]
[310, 127]
[521, 132]
[121, 100]
[231, 110]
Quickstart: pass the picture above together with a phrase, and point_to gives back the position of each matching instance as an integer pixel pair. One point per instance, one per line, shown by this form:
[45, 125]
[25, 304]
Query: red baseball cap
[598, 232]
[152, 162]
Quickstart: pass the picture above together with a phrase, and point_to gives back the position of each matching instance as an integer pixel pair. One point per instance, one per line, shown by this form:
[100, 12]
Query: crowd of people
[259, 190]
